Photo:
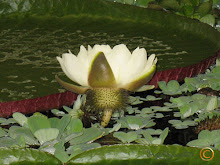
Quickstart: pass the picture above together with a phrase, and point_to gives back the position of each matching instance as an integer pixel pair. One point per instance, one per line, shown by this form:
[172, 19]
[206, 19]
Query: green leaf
[20, 141]
[61, 155]
[89, 135]
[38, 122]
[142, 154]
[26, 156]
[16, 131]
[173, 85]
[212, 104]
[204, 8]
[74, 126]
[2, 132]
[147, 136]
[77, 149]
[20, 118]
[170, 4]
[64, 121]
[162, 85]
[46, 134]
[6, 142]
[199, 143]
[126, 137]
[209, 19]
[188, 10]
[7, 121]
[164, 134]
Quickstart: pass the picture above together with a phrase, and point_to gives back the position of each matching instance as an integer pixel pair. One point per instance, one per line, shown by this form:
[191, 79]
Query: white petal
[150, 62]
[83, 56]
[75, 69]
[118, 59]
[135, 66]
[61, 61]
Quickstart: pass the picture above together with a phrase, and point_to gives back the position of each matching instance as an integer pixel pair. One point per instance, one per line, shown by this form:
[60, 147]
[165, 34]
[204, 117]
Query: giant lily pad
[116, 154]
[33, 33]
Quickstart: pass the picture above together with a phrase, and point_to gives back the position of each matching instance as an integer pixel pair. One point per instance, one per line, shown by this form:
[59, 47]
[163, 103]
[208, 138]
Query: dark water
[28, 50]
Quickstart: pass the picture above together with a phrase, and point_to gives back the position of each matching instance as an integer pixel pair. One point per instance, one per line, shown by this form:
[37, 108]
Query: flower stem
[107, 114]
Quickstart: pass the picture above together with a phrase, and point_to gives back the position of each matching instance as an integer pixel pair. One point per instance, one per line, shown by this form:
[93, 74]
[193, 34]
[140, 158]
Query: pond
[29, 48]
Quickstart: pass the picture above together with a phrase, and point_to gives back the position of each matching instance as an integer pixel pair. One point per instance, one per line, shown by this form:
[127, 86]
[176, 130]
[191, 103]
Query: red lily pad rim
[57, 100]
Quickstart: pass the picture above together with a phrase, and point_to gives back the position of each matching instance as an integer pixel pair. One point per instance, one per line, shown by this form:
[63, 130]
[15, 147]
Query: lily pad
[46, 134]
[26, 156]
[142, 154]
[126, 137]
[37, 122]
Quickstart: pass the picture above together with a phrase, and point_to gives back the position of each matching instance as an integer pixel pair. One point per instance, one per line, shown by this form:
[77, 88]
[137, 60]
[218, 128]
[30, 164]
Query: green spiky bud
[100, 99]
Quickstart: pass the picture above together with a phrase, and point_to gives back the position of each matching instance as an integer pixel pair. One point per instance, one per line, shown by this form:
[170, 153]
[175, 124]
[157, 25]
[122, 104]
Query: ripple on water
[33, 56]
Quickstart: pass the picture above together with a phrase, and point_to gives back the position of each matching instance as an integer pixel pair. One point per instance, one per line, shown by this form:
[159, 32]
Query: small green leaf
[2, 132]
[115, 128]
[164, 134]
[46, 134]
[6, 142]
[89, 135]
[74, 126]
[147, 136]
[126, 137]
[64, 121]
[173, 85]
[20, 118]
[209, 19]
[16, 131]
[212, 104]
[37, 122]
[61, 155]
[8, 121]
[57, 112]
[162, 85]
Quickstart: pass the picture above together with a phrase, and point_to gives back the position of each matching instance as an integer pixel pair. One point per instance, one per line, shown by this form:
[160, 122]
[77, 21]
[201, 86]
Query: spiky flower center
[106, 98]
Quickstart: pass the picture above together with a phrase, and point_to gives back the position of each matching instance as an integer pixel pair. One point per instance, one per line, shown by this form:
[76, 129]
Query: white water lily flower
[103, 67]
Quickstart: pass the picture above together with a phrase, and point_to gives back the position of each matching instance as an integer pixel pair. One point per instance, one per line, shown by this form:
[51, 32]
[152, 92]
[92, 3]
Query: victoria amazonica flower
[106, 75]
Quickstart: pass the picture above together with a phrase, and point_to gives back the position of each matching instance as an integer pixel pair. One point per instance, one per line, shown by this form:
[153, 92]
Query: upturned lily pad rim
[110, 10]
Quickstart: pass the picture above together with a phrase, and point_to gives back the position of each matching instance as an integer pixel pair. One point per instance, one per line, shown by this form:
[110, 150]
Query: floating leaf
[37, 122]
[20, 118]
[74, 126]
[2, 132]
[206, 139]
[7, 121]
[164, 135]
[89, 135]
[212, 104]
[16, 131]
[64, 121]
[178, 124]
[6, 142]
[26, 156]
[116, 127]
[46, 134]
[57, 112]
[126, 137]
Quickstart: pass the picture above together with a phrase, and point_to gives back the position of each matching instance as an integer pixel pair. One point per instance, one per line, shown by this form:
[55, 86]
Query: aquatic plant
[102, 74]
[209, 123]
